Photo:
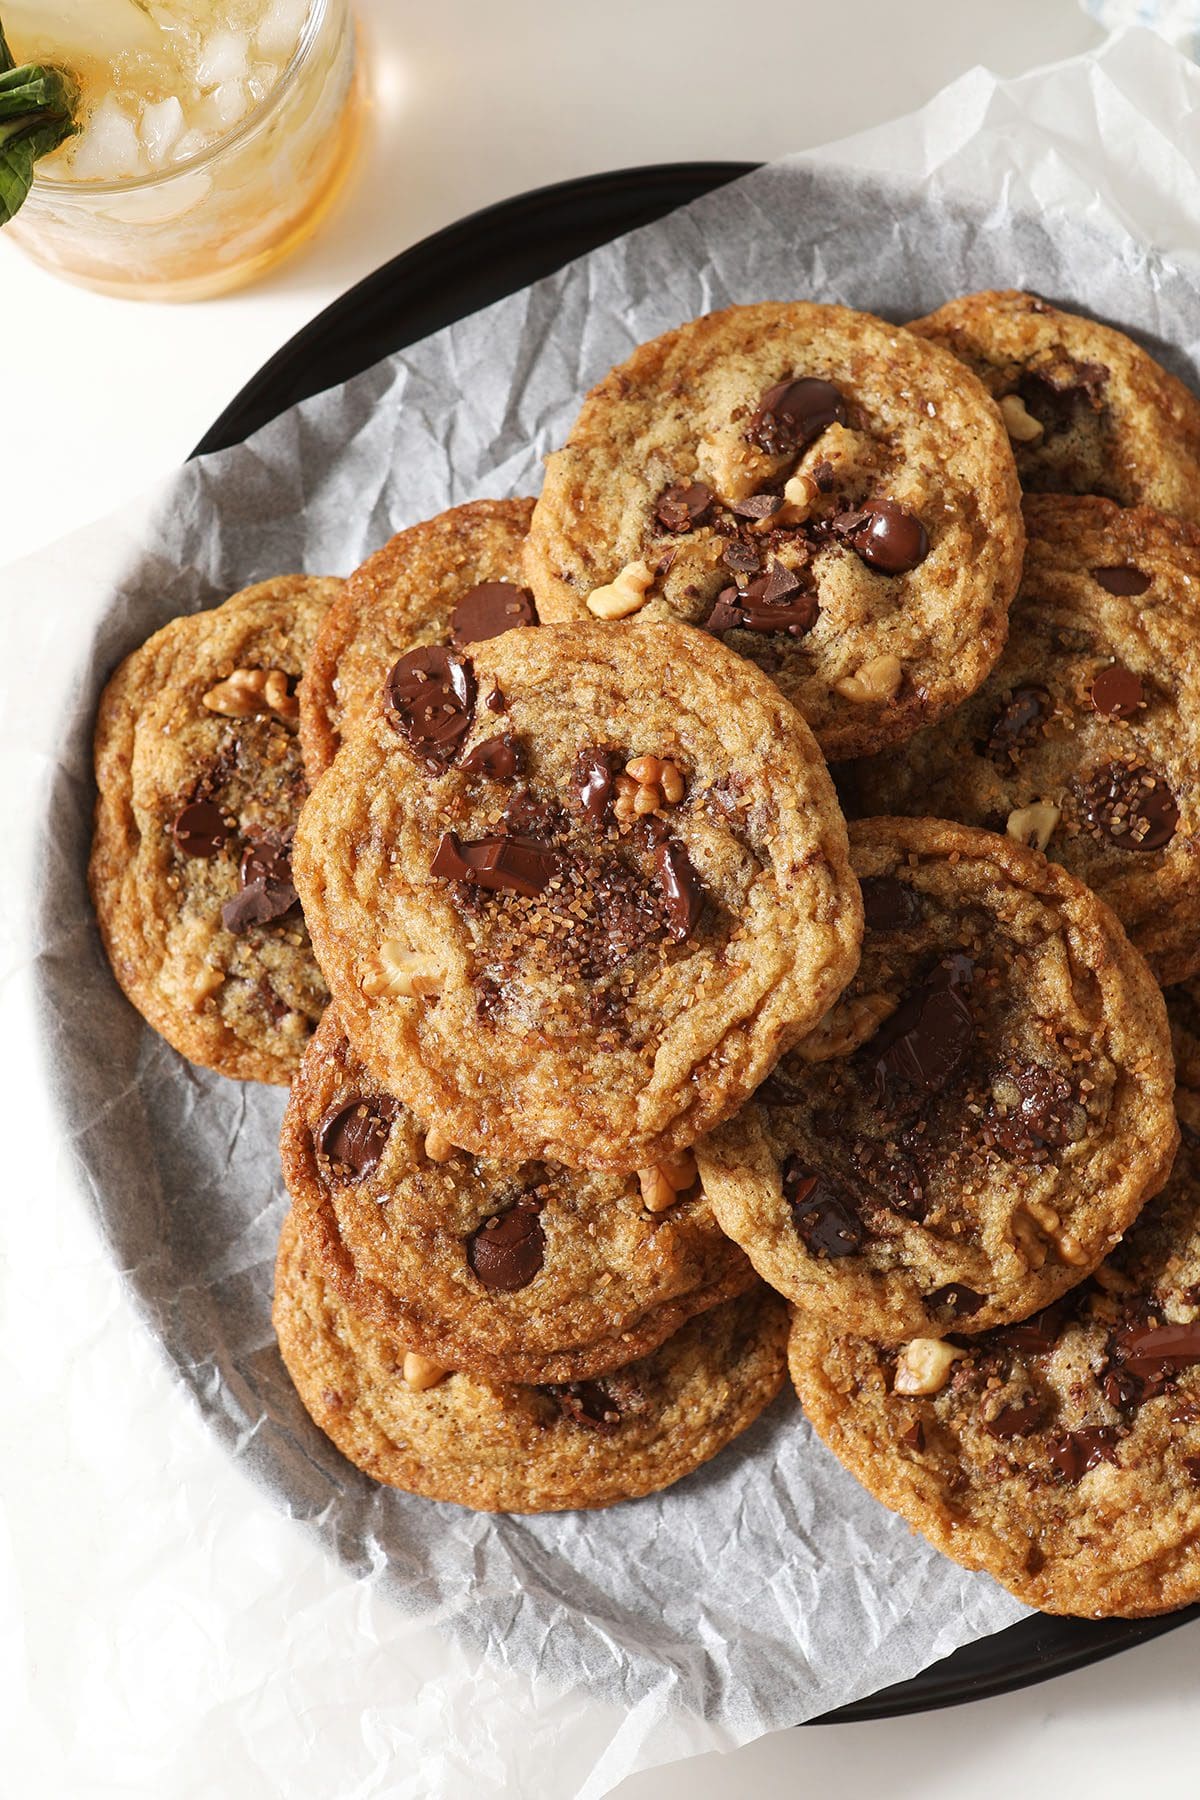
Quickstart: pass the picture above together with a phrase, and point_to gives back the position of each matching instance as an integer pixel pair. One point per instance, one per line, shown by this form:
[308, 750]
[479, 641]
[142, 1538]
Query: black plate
[480, 259]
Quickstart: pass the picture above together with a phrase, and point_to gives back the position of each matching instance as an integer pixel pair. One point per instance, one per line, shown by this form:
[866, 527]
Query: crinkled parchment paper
[435, 1651]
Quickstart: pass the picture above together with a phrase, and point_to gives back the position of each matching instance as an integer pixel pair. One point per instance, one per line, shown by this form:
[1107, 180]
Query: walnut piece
[438, 1147]
[421, 1372]
[647, 784]
[846, 1026]
[1020, 424]
[1034, 825]
[401, 973]
[206, 983]
[877, 680]
[923, 1366]
[662, 1185]
[250, 691]
[624, 595]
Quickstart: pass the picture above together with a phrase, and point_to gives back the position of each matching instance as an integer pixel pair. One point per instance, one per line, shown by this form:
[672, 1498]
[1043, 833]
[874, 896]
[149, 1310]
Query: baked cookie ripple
[200, 783]
[833, 496]
[1085, 738]
[510, 1448]
[1062, 1455]
[516, 1272]
[982, 1114]
[546, 955]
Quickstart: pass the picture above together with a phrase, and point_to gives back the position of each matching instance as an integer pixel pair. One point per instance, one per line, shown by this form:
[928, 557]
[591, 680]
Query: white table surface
[475, 102]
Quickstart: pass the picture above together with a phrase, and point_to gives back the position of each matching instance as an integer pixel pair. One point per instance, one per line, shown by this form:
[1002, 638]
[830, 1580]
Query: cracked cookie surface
[1062, 1455]
[200, 784]
[1090, 411]
[517, 1272]
[979, 1118]
[833, 496]
[1085, 738]
[576, 889]
[510, 1448]
[452, 579]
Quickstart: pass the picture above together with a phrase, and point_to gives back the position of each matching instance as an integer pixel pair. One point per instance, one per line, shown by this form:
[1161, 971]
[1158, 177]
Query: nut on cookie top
[1062, 1454]
[515, 1271]
[981, 1114]
[1085, 738]
[832, 497]
[575, 889]
[1088, 410]
[200, 785]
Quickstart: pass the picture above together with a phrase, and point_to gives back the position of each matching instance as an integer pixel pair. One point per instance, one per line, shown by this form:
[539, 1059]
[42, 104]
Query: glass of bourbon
[214, 137]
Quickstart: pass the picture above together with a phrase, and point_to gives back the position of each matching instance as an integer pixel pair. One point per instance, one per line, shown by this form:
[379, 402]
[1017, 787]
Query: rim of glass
[245, 128]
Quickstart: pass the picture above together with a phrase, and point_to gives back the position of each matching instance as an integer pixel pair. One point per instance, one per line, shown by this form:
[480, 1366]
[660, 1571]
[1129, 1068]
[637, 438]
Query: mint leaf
[37, 114]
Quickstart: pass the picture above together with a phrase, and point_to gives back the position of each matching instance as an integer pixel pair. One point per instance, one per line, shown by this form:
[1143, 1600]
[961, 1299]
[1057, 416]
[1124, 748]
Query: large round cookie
[834, 497]
[200, 783]
[518, 1448]
[546, 955]
[1085, 738]
[515, 1272]
[1062, 1455]
[1089, 412]
[451, 580]
[981, 1115]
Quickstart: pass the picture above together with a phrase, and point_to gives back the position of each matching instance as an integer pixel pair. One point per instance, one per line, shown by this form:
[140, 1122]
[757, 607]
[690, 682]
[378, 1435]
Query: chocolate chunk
[1043, 1116]
[743, 559]
[1018, 724]
[1130, 805]
[1122, 579]
[200, 829]
[498, 757]
[682, 507]
[429, 698]
[779, 601]
[682, 892]
[267, 891]
[888, 905]
[351, 1138]
[495, 701]
[914, 1437]
[586, 1403]
[1037, 1335]
[757, 506]
[512, 864]
[1057, 391]
[885, 536]
[490, 609]
[1155, 1351]
[825, 1220]
[928, 1037]
[1191, 1468]
[1073, 1453]
[508, 1250]
[957, 1299]
[1116, 692]
[1015, 1421]
[594, 782]
[792, 414]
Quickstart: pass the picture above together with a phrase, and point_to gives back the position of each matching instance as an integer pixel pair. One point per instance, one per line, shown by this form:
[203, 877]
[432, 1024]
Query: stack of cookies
[520, 856]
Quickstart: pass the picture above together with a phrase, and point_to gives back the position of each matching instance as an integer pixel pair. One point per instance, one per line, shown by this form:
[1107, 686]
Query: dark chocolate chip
[684, 506]
[490, 609]
[594, 784]
[508, 1250]
[928, 1037]
[743, 559]
[1073, 1453]
[495, 701]
[1015, 1421]
[914, 1437]
[1158, 1350]
[757, 506]
[1037, 1335]
[888, 904]
[512, 864]
[1131, 806]
[1116, 692]
[498, 757]
[429, 698]
[200, 829]
[792, 414]
[681, 889]
[779, 601]
[586, 1403]
[886, 537]
[267, 891]
[1122, 579]
[1018, 724]
[1043, 1115]
[1191, 1468]
[957, 1299]
[826, 1222]
[351, 1137]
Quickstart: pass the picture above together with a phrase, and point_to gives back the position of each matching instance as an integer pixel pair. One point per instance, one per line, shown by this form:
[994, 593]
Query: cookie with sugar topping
[1088, 410]
[1085, 738]
[575, 890]
[200, 784]
[515, 1271]
[981, 1115]
[1061, 1454]
[454, 579]
[834, 498]
[510, 1448]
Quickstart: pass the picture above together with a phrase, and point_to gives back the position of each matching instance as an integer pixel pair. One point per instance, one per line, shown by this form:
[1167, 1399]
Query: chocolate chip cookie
[1085, 738]
[451, 580]
[516, 1272]
[834, 498]
[575, 889]
[1088, 411]
[510, 1448]
[1062, 1454]
[980, 1116]
[200, 784]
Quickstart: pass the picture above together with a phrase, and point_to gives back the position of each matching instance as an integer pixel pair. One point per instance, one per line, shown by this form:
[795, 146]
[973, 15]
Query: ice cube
[229, 103]
[162, 128]
[108, 148]
[279, 33]
[224, 58]
[102, 27]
